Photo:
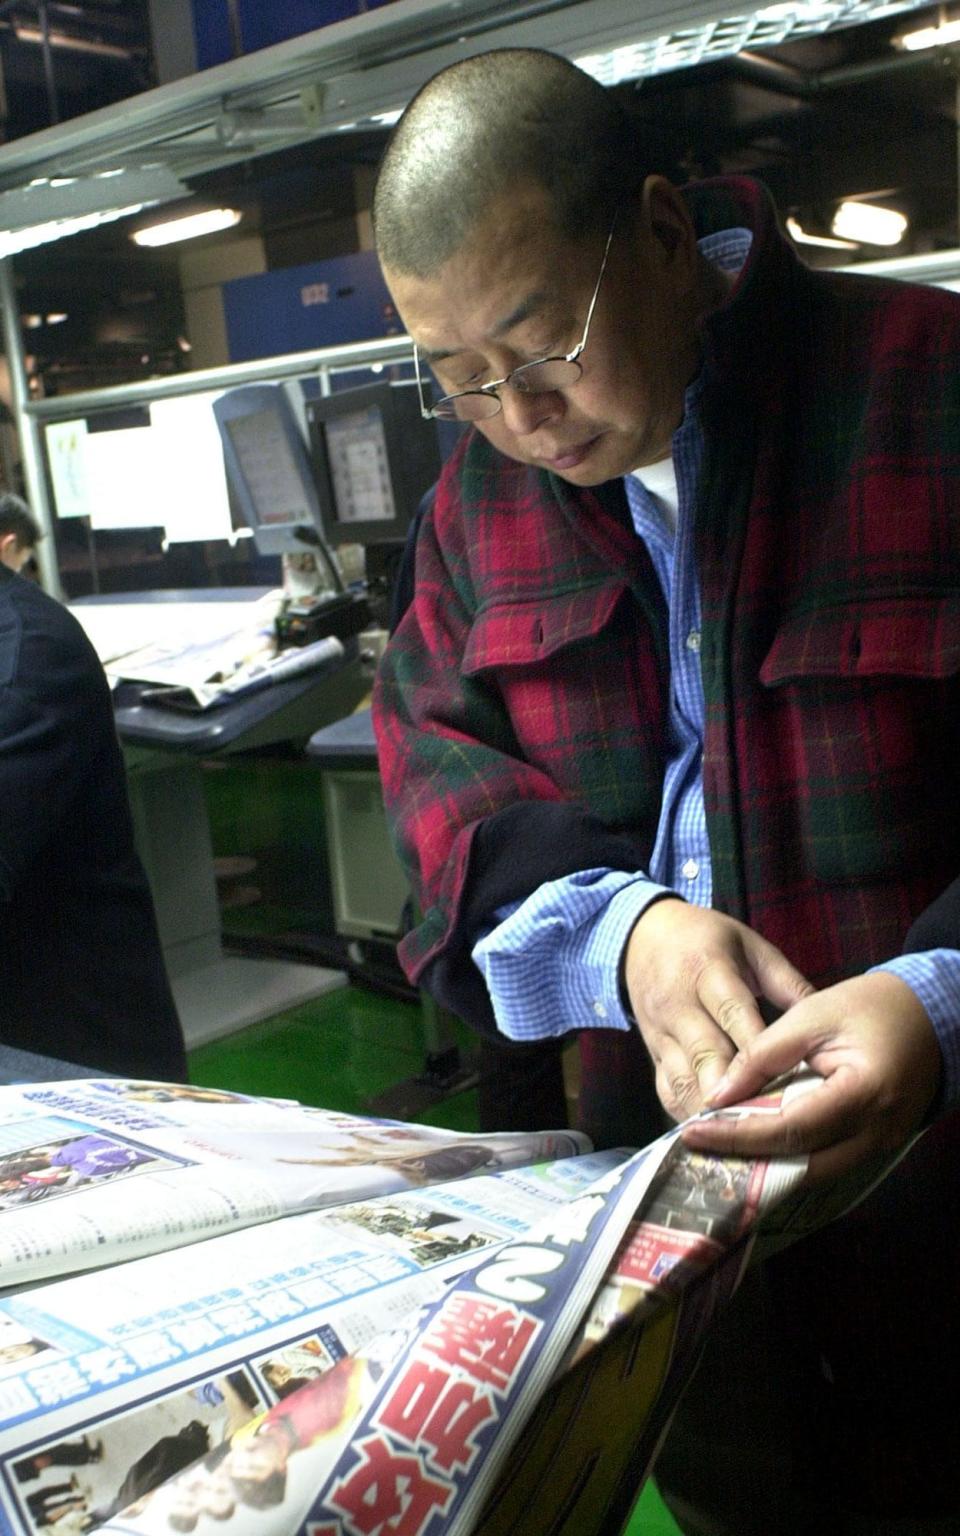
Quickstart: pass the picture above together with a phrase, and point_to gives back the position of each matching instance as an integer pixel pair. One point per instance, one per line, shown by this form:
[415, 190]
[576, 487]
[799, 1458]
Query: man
[82, 976]
[20, 533]
[669, 732]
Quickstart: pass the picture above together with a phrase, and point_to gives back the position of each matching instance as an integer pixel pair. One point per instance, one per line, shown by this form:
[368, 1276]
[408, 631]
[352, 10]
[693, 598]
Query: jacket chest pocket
[577, 675]
[864, 704]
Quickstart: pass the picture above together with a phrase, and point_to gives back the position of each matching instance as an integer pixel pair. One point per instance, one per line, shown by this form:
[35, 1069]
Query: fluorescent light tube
[868, 224]
[931, 37]
[188, 227]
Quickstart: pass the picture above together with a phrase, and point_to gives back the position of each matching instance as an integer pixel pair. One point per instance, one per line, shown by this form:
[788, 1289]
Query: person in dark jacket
[20, 533]
[82, 975]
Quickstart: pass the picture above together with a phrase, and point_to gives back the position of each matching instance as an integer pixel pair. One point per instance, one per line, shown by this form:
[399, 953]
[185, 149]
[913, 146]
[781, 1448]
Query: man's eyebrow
[426, 356]
[532, 305]
[525, 310]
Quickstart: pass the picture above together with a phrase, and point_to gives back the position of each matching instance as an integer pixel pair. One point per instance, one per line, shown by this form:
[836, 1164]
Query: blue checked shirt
[552, 962]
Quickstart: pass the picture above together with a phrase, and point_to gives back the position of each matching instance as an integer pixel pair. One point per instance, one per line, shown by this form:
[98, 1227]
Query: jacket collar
[746, 334]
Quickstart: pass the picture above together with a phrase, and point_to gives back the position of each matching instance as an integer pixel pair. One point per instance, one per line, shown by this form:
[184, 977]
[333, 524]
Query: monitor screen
[359, 467]
[275, 485]
[268, 467]
[374, 457]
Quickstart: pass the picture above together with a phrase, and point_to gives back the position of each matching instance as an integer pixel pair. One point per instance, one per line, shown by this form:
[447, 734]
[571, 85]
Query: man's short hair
[16, 518]
[489, 123]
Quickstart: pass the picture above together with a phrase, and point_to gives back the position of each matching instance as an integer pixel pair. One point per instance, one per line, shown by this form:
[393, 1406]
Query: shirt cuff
[934, 975]
[552, 964]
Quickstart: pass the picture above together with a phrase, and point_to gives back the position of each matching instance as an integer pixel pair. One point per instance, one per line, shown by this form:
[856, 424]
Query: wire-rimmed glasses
[537, 378]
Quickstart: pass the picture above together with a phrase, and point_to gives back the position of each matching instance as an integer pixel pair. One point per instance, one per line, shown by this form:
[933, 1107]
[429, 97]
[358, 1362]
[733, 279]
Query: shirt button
[599, 1010]
[690, 869]
[693, 640]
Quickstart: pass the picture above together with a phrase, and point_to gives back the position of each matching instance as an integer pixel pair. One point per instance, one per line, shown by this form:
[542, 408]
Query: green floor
[341, 1052]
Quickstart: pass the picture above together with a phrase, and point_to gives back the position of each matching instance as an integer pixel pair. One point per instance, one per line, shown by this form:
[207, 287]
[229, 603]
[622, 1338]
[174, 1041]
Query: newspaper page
[111, 1382]
[97, 1170]
[416, 1432]
[194, 643]
[678, 1265]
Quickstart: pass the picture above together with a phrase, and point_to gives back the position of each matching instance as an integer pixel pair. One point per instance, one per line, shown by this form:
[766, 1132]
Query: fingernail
[718, 1090]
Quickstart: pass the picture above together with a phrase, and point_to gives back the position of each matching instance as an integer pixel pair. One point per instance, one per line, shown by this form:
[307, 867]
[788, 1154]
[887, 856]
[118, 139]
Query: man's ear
[671, 238]
[8, 550]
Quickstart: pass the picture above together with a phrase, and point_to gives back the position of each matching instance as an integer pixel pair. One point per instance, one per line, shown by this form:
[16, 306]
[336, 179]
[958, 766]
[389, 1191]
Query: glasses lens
[468, 407]
[551, 373]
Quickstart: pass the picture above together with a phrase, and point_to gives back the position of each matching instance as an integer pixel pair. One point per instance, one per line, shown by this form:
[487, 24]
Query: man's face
[12, 554]
[517, 291]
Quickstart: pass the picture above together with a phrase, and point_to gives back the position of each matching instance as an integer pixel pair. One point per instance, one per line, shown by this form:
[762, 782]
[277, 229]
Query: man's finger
[778, 1049]
[677, 1082]
[707, 1047]
[819, 1119]
[728, 1000]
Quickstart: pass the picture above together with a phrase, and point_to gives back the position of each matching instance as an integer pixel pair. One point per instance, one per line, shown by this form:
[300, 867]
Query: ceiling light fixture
[800, 237]
[28, 34]
[746, 29]
[940, 36]
[49, 208]
[188, 227]
[14, 240]
[868, 224]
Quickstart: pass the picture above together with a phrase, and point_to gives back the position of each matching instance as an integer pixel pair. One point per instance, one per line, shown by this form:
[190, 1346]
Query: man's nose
[524, 412]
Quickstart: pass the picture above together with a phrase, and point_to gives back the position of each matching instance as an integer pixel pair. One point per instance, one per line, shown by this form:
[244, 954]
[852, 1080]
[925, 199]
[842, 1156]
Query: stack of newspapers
[238, 1315]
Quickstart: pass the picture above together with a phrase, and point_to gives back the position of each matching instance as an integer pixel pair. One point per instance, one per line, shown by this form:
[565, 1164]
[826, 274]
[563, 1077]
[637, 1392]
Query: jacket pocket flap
[517, 634]
[885, 637]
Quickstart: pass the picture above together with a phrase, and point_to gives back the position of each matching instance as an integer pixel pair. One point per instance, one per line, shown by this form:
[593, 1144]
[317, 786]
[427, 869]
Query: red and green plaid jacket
[520, 706]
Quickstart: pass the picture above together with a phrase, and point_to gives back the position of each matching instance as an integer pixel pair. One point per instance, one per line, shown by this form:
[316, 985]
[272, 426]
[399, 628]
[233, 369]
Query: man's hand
[872, 1042]
[693, 977]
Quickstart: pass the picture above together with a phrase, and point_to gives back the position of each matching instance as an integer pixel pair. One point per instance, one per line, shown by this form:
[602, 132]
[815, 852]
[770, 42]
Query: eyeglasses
[539, 378]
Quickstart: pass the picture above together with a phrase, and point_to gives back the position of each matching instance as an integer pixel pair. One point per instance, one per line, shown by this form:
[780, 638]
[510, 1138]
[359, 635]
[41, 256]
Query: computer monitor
[268, 468]
[374, 458]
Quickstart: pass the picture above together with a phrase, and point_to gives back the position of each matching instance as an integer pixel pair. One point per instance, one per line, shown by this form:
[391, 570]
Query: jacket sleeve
[54, 711]
[476, 827]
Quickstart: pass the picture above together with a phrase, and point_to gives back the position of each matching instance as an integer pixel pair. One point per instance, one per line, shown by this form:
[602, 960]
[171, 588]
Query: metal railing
[321, 363]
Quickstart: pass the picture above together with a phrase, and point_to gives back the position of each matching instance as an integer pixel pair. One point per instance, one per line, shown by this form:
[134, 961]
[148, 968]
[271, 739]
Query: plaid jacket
[520, 706]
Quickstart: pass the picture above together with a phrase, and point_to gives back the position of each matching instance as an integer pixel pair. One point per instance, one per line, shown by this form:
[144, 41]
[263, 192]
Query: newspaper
[398, 1363]
[177, 1350]
[97, 1170]
[189, 643]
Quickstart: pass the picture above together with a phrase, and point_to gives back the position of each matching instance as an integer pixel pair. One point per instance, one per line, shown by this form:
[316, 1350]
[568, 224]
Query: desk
[216, 994]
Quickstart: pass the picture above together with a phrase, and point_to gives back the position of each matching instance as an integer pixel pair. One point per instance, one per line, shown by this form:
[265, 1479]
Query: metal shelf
[352, 72]
[348, 72]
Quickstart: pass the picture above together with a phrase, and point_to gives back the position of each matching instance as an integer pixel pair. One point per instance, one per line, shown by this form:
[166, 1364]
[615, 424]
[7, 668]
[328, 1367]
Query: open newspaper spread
[424, 1354]
[96, 1170]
